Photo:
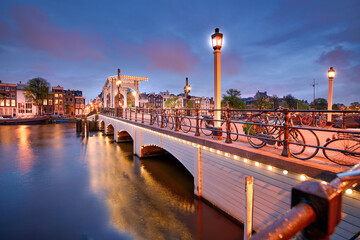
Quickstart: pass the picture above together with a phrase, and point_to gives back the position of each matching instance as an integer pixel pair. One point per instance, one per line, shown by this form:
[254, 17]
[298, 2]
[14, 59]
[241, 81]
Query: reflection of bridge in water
[219, 171]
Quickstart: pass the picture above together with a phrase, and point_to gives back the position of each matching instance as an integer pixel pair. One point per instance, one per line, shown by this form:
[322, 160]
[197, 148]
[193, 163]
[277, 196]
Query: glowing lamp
[331, 73]
[217, 39]
[118, 82]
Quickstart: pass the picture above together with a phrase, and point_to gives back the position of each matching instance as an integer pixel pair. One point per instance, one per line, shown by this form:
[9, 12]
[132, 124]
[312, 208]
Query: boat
[25, 121]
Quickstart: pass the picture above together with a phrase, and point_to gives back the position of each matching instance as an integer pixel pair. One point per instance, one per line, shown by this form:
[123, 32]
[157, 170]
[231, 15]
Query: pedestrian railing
[297, 132]
[316, 209]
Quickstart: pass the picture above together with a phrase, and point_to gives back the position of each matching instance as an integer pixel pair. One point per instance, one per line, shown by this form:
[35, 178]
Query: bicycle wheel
[307, 137]
[185, 124]
[321, 121]
[342, 158]
[171, 123]
[275, 120]
[306, 120]
[206, 127]
[254, 130]
[234, 132]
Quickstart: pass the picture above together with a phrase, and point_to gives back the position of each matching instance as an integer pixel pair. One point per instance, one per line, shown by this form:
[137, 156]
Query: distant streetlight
[118, 84]
[217, 41]
[331, 75]
[187, 89]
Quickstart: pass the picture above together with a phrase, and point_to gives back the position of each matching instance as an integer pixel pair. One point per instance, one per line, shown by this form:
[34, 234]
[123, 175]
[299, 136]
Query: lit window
[56, 101]
[8, 102]
[13, 103]
[56, 95]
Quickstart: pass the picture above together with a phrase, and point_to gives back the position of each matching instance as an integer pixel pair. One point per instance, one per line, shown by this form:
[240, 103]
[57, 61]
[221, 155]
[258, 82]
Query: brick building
[7, 99]
[59, 105]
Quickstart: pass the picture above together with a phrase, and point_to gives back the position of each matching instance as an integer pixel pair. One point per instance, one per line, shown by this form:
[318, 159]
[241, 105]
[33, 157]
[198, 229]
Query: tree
[232, 99]
[130, 97]
[320, 104]
[262, 103]
[354, 106]
[36, 91]
[172, 102]
[275, 101]
[291, 101]
[301, 105]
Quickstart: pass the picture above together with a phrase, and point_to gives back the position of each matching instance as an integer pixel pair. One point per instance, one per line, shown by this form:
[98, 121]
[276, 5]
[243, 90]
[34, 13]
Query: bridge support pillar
[198, 172]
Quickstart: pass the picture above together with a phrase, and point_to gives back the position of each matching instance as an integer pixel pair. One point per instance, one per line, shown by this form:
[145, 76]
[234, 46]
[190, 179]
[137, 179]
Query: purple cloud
[231, 64]
[169, 54]
[336, 57]
[36, 30]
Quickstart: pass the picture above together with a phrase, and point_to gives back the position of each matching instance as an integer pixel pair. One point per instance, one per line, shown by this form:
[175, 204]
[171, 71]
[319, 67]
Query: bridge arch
[123, 136]
[151, 150]
[102, 125]
[109, 129]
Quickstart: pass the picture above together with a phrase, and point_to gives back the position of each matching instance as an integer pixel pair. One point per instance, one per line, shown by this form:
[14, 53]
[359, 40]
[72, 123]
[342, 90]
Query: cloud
[336, 57]
[36, 30]
[231, 63]
[172, 54]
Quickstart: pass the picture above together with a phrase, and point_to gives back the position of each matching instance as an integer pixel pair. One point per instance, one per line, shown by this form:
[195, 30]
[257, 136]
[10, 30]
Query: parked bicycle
[271, 132]
[207, 127]
[314, 120]
[343, 149]
[169, 122]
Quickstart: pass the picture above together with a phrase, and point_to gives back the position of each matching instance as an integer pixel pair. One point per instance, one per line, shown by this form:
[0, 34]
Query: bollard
[249, 201]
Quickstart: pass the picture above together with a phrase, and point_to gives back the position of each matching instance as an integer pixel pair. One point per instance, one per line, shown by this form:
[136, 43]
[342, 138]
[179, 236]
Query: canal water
[55, 184]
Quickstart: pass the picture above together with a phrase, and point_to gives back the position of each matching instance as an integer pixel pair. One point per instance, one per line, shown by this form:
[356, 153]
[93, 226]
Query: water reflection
[54, 184]
[136, 204]
[24, 153]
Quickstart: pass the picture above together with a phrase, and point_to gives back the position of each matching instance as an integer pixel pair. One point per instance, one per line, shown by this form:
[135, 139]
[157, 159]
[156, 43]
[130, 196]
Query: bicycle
[344, 149]
[314, 120]
[260, 134]
[207, 127]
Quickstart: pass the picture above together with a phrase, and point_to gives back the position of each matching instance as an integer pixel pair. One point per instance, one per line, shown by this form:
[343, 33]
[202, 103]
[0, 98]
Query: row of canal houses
[60, 102]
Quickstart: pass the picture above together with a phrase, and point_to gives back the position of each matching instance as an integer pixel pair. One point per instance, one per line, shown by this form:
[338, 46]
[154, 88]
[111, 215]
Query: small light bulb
[257, 164]
[235, 157]
[270, 167]
[348, 191]
[285, 172]
[245, 160]
[302, 177]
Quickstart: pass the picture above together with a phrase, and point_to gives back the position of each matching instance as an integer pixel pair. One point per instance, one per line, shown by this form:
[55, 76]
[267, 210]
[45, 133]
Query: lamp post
[331, 75]
[187, 89]
[118, 84]
[217, 41]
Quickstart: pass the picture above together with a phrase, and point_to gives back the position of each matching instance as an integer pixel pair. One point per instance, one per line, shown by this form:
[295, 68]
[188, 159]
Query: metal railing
[316, 209]
[281, 127]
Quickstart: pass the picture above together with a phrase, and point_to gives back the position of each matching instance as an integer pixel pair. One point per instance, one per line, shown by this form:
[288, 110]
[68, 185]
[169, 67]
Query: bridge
[219, 169]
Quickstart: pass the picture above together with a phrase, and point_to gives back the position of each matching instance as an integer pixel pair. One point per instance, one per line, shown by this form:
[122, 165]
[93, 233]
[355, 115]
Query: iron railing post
[135, 114]
[142, 115]
[176, 120]
[286, 150]
[130, 114]
[343, 123]
[228, 132]
[151, 116]
[162, 111]
[197, 132]
[125, 113]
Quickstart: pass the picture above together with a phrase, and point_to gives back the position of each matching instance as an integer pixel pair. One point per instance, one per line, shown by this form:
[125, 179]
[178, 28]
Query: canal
[55, 184]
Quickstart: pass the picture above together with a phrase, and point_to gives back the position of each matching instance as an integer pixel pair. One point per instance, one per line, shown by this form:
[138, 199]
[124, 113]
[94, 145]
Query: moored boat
[24, 121]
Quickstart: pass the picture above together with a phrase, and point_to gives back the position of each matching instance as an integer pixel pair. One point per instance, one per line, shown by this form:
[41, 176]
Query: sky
[277, 46]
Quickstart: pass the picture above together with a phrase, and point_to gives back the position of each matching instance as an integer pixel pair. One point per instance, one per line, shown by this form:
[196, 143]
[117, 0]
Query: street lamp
[331, 75]
[118, 84]
[217, 41]
[187, 89]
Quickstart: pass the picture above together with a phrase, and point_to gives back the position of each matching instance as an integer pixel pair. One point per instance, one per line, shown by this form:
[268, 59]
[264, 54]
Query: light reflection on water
[67, 187]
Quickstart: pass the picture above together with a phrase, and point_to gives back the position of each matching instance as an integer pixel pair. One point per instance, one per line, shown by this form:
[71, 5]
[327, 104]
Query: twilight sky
[276, 46]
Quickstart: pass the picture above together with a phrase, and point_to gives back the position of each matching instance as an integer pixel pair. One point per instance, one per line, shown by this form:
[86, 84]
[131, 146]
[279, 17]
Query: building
[79, 106]
[155, 100]
[59, 104]
[24, 107]
[144, 100]
[7, 100]
[69, 100]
